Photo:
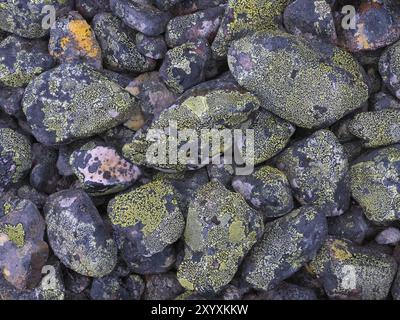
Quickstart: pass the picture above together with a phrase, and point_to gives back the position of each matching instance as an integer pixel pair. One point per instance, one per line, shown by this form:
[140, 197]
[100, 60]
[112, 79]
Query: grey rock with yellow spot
[101, 170]
[201, 24]
[118, 45]
[23, 252]
[267, 190]
[375, 183]
[74, 101]
[184, 66]
[288, 244]
[78, 235]
[147, 221]
[349, 271]
[204, 109]
[21, 60]
[221, 228]
[317, 169]
[389, 68]
[377, 128]
[15, 157]
[31, 18]
[286, 72]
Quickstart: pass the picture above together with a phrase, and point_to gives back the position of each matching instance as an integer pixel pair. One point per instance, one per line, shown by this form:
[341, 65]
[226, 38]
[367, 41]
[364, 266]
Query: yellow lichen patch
[237, 231]
[64, 41]
[186, 284]
[7, 207]
[15, 233]
[339, 250]
[83, 37]
[197, 105]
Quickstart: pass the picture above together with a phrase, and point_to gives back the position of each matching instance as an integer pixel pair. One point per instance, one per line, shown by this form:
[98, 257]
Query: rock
[146, 220]
[348, 271]
[389, 68]
[285, 291]
[141, 15]
[396, 287]
[151, 47]
[118, 45]
[184, 66]
[376, 25]
[383, 101]
[75, 282]
[266, 190]
[118, 136]
[206, 109]
[78, 235]
[74, 101]
[162, 286]
[25, 17]
[22, 60]
[101, 170]
[10, 100]
[375, 184]
[72, 39]
[44, 177]
[288, 243]
[187, 28]
[245, 17]
[221, 228]
[222, 172]
[377, 128]
[113, 288]
[89, 8]
[15, 157]
[351, 225]
[271, 134]
[311, 19]
[285, 71]
[317, 169]
[29, 193]
[190, 6]
[165, 4]
[390, 235]
[23, 252]
[152, 93]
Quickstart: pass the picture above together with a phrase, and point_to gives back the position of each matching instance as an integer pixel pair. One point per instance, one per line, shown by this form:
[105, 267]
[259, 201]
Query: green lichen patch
[16, 233]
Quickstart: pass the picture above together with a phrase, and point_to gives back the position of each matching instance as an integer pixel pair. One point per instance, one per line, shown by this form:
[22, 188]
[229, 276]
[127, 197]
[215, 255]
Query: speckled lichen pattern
[317, 169]
[375, 183]
[221, 228]
[389, 68]
[348, 271]
[288, 243]
[307, 83]
[15, 157]
[152, 210]
[74, 101]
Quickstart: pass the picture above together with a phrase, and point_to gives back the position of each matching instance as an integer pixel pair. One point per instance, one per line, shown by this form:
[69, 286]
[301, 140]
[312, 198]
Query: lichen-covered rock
[284, 291]
[201, 24]
[351, 225]
[222, 172]
[348, 271]
[29, 193]
[118, 45]
[311, 19]
[383, 101]
[89, 8]
[152, 93]
[15, 157]
[101, 170]
[25, 17]
[377, 25]
[112, 287]
[221, 228]
[205, 109]
[267, 190]
[286, 71]
[74, 101]
[377, 128]
[23, 252]
[10, 100]
[389, 68]
[146, 220]
[190, 6]
[164, 286]
[184, 66]
[141, 15]
[271, 134]
[78, 235]
[288, 243]
[72, 39]
[243, 17]
[317, 169]
[165, 4]
[21, 60]
[151, 47]
[375, 183]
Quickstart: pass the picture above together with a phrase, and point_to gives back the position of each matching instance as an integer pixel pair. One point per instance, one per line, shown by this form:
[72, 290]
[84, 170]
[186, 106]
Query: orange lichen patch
[361, 38]
[64, 41]
[366, 6]
[135, 122]
[84, 37]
